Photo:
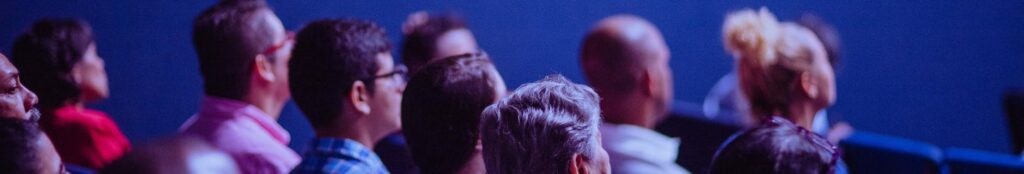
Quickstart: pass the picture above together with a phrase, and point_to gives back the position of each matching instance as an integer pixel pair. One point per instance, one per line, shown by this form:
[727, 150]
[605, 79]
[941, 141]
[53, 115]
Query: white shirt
[634, 149]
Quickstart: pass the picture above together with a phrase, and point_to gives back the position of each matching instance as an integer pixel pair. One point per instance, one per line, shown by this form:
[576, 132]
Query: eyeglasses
[399, 75]
[289, 36]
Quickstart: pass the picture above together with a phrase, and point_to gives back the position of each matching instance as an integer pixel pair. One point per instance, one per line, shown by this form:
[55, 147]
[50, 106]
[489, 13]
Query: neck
[78, 105]
[802, 115]
[349, 131]
[629, 111]
[265, 103]
[475, 164]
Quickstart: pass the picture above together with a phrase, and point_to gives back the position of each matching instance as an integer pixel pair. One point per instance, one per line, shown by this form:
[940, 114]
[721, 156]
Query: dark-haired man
[26, 149]
[344, 80]
[441, 112]
[17, 101]
[243, 55]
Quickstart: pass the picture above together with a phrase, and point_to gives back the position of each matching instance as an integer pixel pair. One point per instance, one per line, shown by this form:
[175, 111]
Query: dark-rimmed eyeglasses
[399, 75]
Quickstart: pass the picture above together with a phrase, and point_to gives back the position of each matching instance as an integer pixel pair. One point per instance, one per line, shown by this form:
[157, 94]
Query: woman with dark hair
[58, 60]
[434, 36]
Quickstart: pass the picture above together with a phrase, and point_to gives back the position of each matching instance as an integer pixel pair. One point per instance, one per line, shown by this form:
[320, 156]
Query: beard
[34, 115]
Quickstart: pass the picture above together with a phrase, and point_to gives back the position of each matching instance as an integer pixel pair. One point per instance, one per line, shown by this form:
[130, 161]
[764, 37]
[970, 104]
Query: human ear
[359, 96]
[578, 165]
[262, 68]
[809, 85]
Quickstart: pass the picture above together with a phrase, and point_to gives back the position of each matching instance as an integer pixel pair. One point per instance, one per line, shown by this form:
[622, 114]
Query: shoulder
[337, 165]
[261, 163]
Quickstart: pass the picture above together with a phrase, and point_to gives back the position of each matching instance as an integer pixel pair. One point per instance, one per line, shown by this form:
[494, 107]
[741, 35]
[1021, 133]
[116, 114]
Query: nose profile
[30, 99]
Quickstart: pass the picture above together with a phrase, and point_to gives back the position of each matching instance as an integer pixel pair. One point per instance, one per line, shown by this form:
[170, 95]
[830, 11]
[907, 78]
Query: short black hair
[328, 57]
[46, 53]
[441, 110]
[420, 43]
[776, 146]
[227, 37]
[19, 139]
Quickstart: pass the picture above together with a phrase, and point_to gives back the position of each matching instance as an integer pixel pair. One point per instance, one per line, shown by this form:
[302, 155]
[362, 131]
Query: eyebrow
[9, 74]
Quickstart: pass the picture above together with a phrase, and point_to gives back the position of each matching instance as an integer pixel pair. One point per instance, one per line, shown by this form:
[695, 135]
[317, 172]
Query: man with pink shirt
[243, 54]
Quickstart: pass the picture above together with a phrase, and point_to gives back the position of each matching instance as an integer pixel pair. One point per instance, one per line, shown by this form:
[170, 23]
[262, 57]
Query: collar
[640, 140]
[224, 108]
[344, 147]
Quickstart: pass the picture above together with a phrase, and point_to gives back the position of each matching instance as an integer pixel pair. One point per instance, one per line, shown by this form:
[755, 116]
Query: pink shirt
[256, 142]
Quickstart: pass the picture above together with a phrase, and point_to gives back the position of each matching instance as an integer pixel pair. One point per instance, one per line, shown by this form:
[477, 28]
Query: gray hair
[539, 126]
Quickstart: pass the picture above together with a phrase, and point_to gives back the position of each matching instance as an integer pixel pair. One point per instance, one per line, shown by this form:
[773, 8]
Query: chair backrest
[1013, 103]
[961, 160]
[699, 136]
[866, 152]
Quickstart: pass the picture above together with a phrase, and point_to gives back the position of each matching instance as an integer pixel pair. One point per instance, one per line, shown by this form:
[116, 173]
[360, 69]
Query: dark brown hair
[227, 37]
[776, 146]
[328, 57]
[441, 110]
[421, 42]
[46, 53]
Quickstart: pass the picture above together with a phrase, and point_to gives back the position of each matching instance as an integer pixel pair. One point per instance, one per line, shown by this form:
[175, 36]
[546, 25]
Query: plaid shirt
[332, 155]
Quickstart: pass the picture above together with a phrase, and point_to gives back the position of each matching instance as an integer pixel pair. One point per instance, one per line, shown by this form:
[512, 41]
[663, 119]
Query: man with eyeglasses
[344, 80]
[243, 54]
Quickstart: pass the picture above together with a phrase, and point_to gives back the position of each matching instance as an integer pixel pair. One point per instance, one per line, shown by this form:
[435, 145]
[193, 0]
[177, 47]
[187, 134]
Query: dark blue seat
[1013, 104]
[961, 160]
[699, 136]
[871, 153]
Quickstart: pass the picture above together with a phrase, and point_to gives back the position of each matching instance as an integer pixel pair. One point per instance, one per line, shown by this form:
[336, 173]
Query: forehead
[7, 70]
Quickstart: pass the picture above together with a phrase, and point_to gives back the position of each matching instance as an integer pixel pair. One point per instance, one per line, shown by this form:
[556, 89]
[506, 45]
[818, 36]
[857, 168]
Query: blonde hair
[769, 59]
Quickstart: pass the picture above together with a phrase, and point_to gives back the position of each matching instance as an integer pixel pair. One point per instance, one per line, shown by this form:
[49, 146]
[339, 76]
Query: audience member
[345, 82]
[173, 156]
[433, 36]
[776, 146]
[548, 126]
[58, 60]
[17, 101]
[427, 37]
[783, 68]
[243, 54]
[441, 110]
[26, 149]
[626, 60]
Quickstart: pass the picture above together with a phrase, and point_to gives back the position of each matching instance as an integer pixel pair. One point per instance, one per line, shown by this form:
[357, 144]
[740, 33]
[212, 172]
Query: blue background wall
[930, 71]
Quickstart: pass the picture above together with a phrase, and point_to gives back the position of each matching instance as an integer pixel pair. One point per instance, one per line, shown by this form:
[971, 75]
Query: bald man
[626, 60]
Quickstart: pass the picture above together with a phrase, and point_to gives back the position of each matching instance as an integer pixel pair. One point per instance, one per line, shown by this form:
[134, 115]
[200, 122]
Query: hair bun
[751, 35]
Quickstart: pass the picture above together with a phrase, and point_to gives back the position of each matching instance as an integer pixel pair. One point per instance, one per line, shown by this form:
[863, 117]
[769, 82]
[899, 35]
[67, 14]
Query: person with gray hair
[548, 126]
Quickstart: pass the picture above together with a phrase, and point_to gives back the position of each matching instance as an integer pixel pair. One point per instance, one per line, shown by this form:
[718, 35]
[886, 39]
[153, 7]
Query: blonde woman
[783, 68]
[784, 73]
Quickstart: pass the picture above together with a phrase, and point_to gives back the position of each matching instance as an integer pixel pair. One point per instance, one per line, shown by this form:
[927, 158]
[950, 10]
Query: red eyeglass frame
[289, 37]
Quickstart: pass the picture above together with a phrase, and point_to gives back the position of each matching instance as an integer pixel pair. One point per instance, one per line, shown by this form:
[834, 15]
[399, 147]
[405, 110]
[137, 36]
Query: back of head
[19, 139]
[328, 57]
[768, 59]
[441, 110]
[46, 53]
[776, 146]
[617, 51]
[423, 32]
[540, 126]
[827, 34]
[227, 37]
[173, 155]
